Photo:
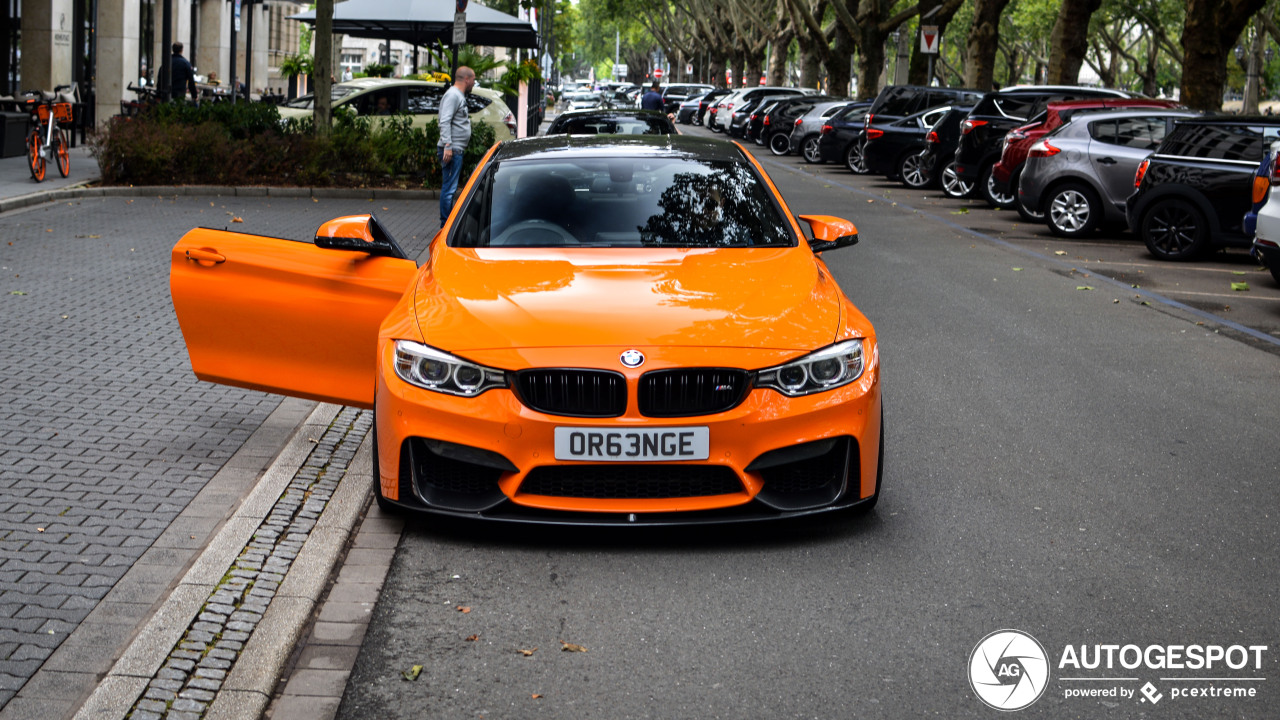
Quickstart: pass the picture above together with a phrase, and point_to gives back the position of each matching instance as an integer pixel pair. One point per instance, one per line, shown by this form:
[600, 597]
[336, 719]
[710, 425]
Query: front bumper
[491, 457]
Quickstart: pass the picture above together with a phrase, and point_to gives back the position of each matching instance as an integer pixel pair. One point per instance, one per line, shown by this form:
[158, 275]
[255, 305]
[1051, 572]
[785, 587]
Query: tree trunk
[781, 47]
[735, 66]
[753, 69]
[1069, 41]
[715, 72]
[323, 64]
[1150, 87]
[838, 71]
[1208, 34]
[870, 65]
[810, 66]
[984, 37]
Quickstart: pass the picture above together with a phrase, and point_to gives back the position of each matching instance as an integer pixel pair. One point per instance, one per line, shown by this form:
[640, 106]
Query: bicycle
[47, 141]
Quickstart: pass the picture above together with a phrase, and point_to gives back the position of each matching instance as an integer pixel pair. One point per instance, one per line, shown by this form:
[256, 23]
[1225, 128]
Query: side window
[1104, 131]
[1143, 133]
[475, 103]
[424, 100]
[1216, 142]
[932, 117]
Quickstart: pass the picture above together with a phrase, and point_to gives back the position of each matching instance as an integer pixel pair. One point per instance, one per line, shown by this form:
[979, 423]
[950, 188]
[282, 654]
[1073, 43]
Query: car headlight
[825, 369]
[427, 367]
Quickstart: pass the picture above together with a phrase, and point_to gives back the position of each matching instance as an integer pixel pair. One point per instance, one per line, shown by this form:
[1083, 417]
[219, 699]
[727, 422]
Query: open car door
[285, 316]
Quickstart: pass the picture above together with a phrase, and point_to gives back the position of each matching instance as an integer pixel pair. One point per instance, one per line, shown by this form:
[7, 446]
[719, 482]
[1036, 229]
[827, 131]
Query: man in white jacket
[455, 133]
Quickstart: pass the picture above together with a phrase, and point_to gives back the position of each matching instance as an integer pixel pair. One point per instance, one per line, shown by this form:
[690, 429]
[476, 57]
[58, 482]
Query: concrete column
[118, 33]
[261, 35]
[214, 52]
[46, 44]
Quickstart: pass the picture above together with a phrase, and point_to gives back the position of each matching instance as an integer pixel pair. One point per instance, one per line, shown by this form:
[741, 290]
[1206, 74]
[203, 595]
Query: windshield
[654, 124]
[306, 102]
[621, 202]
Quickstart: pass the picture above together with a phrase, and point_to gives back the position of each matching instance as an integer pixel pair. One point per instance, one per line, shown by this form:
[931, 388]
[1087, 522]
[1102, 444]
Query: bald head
[464, 79]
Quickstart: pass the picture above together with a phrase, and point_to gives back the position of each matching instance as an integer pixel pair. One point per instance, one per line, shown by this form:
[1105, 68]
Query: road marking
[1237, 296]
[1127, 287]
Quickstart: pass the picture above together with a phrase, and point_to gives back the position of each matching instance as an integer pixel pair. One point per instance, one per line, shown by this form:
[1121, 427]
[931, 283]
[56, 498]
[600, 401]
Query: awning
[423, 22]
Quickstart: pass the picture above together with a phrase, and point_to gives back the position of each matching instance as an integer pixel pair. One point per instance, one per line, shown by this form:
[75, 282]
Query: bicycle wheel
[62, 151]
[35, 154]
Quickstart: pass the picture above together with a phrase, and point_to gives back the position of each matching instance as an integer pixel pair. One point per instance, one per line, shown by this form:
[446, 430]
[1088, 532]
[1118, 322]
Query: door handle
[1107, 161]
[206, 255]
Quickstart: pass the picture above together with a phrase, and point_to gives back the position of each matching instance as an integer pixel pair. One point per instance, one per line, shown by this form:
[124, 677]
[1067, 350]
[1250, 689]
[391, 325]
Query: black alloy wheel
[780, 143]
[853, 159]
[953, 186]
[810, 151]
[913, 171]
[1174, 229]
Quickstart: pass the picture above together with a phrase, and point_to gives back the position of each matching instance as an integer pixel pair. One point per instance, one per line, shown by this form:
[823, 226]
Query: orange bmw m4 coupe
[609, 330]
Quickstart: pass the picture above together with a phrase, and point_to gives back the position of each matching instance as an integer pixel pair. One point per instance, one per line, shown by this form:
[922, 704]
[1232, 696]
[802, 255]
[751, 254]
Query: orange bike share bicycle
[48, 140]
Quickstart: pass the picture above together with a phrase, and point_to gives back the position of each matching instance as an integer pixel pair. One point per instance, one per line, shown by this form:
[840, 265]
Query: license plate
[633, 445]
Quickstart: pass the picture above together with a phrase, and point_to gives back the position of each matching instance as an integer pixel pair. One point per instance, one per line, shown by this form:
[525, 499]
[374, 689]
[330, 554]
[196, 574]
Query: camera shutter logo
[1008, 670]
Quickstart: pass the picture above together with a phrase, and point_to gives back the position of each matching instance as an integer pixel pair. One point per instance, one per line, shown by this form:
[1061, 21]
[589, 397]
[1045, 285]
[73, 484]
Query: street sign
[462, 6]
[929, 39]
[620, 70]
[688, 68]
[657, 73]
[459, 28]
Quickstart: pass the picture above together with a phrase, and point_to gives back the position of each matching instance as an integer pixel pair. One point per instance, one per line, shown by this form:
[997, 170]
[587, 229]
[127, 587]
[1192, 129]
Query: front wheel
[780, 143]
[953, 186]
[853, 159]
[61, 149]
[1174, 229]
[715, 127]
[810, 150]
[913, 171]
[35, 155]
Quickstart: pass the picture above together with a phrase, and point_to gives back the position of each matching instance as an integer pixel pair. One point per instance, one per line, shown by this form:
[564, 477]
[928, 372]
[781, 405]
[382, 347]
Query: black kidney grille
[631, 481]
[577, 393]
[684, 392]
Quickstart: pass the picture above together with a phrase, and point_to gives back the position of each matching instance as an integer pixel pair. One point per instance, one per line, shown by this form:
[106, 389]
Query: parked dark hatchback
[777, 122]
[1194, 191]
[894, 103]
[840, 140]
[673, 95]
[611, 122]
[895, 150]
[982, 133]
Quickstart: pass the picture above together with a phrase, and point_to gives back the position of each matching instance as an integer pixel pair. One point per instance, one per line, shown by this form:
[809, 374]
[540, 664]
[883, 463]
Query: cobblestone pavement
[105, 434]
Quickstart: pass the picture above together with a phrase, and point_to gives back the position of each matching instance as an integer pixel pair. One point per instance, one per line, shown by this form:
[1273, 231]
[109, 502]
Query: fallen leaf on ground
[1238, 272]
[537, 696]
[412, 673]
[571, 647]
[39, 529]
[464, 609]
[472, 638]
[314, 200]
[1017, 269]
[1084, 287]
[237, 219]
[527, 653]
[1240, 286]
[1059, 252]
[961, 211]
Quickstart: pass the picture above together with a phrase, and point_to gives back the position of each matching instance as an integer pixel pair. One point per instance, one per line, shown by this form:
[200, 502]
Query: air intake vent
[684, 392]
[631, 481]
[575, 393]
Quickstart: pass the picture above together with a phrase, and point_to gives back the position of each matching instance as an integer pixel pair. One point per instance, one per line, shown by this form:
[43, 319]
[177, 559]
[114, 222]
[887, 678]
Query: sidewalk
[16, 181]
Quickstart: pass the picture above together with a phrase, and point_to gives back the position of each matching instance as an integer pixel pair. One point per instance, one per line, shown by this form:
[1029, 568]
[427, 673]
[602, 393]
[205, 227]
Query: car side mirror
[361, 233]
[830, 233]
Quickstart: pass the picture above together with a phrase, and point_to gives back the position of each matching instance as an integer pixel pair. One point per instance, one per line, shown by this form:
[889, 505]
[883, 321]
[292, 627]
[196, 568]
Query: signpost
[620, 70]
[657, 73]
[929, 38]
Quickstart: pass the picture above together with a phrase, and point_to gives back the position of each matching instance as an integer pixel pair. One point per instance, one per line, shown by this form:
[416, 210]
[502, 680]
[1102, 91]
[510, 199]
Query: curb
[129, 676]
[76, 192]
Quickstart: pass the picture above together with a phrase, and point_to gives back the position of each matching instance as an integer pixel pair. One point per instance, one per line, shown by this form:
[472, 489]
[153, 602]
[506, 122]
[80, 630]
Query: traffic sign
[929, 39]
[620, 70]
[459, 28]
[657, 73]
[688, 68]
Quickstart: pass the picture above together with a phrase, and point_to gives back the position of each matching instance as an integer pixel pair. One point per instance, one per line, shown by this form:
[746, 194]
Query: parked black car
[1194, 191]
[940, 153]
[982, 133]
[896, 150]
[611, 122]
[840, 139]
[673, 95]
[894, 103]
[777, 122]
[742, 113]
[705, 102]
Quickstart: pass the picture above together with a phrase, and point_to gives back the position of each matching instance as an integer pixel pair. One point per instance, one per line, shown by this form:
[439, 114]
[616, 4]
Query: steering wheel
[550, 234]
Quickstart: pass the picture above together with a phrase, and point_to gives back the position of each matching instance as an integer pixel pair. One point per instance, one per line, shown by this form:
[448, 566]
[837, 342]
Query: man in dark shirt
[182, 77]
[652, 100]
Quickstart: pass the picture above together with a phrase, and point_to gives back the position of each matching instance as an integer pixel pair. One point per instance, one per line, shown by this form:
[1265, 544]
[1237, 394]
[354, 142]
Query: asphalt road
[1075, 464]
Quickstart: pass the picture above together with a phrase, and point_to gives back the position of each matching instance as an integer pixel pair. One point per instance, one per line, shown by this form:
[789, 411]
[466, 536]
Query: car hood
[495, 298]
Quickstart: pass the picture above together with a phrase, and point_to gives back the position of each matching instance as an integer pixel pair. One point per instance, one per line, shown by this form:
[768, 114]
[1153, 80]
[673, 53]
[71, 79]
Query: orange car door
[284, 316]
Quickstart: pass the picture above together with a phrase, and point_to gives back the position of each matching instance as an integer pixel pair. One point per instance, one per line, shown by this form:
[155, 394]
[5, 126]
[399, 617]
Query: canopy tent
[423, 22]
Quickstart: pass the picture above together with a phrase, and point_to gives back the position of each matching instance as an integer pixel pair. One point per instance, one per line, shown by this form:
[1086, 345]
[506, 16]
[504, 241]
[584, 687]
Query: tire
[35, 155]
[1275, 272]
[809, 150]
[1031, 215]
[62, 153]
[987, 190]
[913, 171]
[952, 185]
[780, 143]
[386, 505]
[1175, 229]
[853, 159]
[1072, 210]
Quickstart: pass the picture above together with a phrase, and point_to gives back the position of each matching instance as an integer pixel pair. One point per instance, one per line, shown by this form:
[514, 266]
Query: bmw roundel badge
[632, 358]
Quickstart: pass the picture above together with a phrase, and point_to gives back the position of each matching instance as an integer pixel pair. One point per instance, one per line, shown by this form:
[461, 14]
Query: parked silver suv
[1080, 174]
[804, 136]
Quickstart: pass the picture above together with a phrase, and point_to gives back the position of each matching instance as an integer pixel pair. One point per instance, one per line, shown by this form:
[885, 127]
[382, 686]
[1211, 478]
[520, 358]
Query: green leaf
[16, 292]
[1238, 272]
[1017, 269]
[1240, 286]
[961, 211]
[1084, 287]
[412, 673]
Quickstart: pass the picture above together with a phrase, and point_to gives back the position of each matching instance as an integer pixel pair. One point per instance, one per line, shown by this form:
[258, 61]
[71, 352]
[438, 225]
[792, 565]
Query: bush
[248, 144]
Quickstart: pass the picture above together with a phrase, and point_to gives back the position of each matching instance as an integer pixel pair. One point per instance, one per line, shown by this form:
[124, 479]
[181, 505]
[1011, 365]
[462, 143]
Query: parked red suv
[1019, 140]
